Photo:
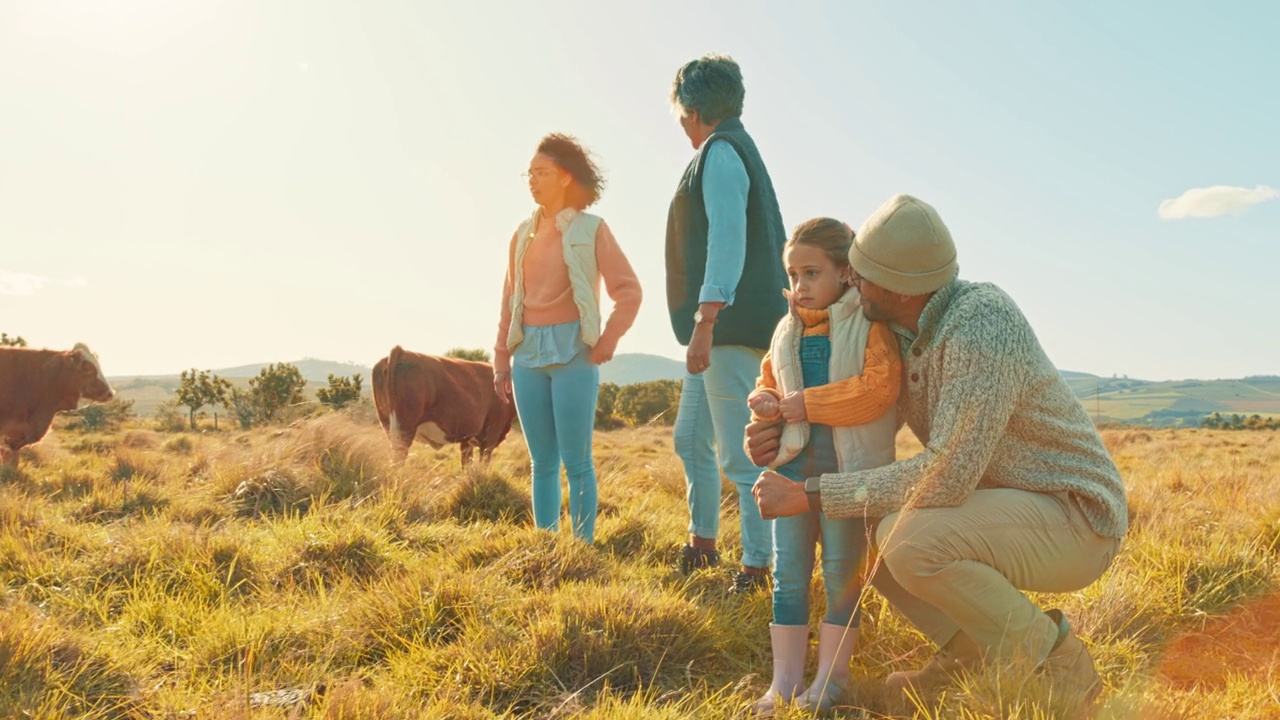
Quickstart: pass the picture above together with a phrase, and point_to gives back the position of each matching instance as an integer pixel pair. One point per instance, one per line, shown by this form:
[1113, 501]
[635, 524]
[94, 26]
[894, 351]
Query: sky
[210, 184]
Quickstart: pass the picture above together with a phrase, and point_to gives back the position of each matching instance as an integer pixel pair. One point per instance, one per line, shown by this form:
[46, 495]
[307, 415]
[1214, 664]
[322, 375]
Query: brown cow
[439, 400]
[36, 384]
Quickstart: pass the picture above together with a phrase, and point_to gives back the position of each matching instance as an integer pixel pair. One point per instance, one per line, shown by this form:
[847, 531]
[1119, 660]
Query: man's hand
[763, 437]
[779, 497]
[792, 407]
[502, 385]
[764, 405]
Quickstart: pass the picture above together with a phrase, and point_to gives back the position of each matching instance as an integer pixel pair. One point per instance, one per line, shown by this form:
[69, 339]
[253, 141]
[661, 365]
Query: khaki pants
[963, 568]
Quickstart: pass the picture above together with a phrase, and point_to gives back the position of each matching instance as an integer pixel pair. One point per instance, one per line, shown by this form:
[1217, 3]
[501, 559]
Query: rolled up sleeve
[725, 185]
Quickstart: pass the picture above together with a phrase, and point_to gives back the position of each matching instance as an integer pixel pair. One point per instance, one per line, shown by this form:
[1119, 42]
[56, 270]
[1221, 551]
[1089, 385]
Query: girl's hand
[502, 385]
[764, 405]
[792, 407]
[603, 351]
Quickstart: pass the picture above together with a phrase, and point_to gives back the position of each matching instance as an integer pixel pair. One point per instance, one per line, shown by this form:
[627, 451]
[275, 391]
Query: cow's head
[93, 385]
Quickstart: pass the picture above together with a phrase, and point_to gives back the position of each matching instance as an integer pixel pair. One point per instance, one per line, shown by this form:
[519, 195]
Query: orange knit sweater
[853, 400]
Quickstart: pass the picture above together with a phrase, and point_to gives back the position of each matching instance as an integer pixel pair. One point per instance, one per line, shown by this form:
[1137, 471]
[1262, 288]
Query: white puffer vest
[858, 446]
[578, 240]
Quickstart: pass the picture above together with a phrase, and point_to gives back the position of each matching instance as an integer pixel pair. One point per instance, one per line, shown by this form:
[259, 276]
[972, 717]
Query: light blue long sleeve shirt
[724, 196]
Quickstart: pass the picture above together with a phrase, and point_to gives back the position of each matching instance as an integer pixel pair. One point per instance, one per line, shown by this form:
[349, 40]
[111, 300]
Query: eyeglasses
[856, 281]
[540, 173]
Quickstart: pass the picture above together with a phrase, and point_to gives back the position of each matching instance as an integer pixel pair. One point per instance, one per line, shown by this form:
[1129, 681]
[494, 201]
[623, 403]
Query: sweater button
[915, 377]
[916, 352]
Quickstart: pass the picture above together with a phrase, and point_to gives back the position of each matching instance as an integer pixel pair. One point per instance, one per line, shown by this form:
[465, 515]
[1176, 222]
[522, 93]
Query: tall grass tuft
[47, 671]
[350, 555]
[485, 496]
[273, 492]
[536, 559]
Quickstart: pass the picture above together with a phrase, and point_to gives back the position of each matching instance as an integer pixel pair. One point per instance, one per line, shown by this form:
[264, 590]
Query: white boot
[790, 645]
[835, 649]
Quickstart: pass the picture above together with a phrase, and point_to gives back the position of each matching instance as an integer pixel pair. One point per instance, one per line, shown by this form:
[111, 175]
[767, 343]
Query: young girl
[833, 377]
[551, 337]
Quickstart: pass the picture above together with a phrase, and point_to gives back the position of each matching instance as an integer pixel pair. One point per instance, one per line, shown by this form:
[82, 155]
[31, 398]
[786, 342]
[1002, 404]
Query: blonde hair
[827, 234]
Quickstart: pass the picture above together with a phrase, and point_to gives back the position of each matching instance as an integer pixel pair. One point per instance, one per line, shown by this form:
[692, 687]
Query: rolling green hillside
[1174, 402]
[1113, 399]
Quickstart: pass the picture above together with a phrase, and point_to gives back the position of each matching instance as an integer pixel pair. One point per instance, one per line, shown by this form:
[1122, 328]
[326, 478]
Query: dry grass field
[292, 572]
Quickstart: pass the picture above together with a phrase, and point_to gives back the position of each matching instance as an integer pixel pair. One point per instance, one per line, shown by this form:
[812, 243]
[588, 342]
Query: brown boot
[1069, 668]
[960, 655]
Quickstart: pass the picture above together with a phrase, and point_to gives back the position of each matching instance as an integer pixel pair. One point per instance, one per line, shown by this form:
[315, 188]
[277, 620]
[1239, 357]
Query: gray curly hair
[710, 86]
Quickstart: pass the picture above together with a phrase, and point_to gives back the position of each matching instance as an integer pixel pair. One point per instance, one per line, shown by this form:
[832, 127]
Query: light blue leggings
[557, 407]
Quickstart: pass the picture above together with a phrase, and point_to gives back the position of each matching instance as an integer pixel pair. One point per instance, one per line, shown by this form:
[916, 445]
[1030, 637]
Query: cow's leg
[9, 451]
[486, 454]
[401, 437]
[468, 449]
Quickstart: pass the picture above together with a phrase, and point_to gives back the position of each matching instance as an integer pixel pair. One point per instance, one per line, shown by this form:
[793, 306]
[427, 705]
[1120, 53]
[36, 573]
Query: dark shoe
[692, 558]
[749, 582]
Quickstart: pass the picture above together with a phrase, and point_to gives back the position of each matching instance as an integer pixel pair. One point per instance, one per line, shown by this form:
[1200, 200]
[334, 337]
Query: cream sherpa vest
[578, 241]
[858, 446]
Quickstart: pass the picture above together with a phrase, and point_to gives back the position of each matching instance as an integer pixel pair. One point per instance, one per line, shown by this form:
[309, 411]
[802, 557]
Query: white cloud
[15, 283]
[1215, 201]
[12, 283]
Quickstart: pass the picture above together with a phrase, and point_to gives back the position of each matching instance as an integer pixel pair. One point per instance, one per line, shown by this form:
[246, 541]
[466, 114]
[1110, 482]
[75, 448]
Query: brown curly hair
[573, 158]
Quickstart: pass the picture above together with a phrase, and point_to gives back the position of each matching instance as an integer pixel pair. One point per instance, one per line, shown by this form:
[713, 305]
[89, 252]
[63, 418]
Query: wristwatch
[699, 318]
[813, 489]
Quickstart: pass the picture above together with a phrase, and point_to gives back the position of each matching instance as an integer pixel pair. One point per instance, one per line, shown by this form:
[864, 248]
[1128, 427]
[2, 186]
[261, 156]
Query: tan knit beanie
[904, 248]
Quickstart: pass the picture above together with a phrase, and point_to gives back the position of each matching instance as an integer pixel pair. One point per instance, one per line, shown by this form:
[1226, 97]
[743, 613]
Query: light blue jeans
[712, 419]
[557, 407]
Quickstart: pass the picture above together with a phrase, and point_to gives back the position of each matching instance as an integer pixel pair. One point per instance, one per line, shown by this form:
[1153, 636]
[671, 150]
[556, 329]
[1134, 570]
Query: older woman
[551, 338]
[724, 293]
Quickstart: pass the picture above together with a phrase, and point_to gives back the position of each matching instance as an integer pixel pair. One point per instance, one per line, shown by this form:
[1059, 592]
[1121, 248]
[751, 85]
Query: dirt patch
[1244, 642]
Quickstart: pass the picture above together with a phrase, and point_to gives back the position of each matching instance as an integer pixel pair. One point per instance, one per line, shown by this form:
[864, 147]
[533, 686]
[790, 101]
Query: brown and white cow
[439, 400]
[36, 384]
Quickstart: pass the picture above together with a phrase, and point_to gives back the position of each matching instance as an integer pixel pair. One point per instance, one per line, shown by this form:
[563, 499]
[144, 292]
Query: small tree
[607, 406]
[242, 405]
[169, 418]
[277, 386]
[648, 402]
[199, 388]
[15, 341]
[474, 354]
[341, 391]
[102, 416]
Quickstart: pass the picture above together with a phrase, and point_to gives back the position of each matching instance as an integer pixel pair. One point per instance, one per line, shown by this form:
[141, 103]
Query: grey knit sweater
[991, 411]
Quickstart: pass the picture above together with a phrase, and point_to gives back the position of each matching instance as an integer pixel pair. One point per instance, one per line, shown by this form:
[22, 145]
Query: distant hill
[629, 368]
[1107, 399]
[312, 370]
[1174, 402]
[148, 391]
